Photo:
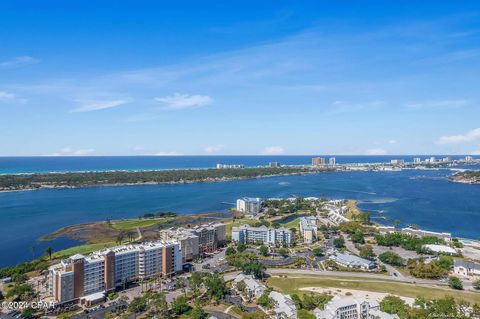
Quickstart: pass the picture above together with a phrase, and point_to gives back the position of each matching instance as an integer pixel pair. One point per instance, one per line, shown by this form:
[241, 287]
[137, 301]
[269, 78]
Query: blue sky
[245, 77]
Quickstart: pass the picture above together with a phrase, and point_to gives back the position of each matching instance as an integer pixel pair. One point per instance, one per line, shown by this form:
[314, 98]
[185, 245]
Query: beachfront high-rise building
[249, 205]
[332, 161]
[274, 164]
[88, 278]
[397, 162]
[417, 160]
[318, 161]
[261, 235]
[468, 158]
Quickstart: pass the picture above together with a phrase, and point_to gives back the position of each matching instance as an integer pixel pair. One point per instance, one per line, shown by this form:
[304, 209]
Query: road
[352, 274]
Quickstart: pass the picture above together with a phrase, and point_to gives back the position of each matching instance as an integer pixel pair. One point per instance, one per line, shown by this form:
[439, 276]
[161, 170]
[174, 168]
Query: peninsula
[466, 177]
[14, 182]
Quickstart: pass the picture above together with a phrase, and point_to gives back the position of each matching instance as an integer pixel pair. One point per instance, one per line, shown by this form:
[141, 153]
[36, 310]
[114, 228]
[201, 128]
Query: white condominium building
[308, 229]
[249, 205]
[261, 235]
[351, 308]
[283, 306]
[80, 277]
[197, 240]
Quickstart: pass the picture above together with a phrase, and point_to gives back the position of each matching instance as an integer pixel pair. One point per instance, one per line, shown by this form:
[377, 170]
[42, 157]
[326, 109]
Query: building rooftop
[466, 264]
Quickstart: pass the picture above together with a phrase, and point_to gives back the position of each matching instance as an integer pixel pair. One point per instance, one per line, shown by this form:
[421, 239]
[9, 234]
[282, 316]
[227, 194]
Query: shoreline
[206, 180]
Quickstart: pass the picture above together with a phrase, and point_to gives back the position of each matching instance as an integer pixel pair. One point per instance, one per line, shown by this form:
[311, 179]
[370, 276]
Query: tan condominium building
[308, 229]
[197, 240]
[318, 161]
[88, 278]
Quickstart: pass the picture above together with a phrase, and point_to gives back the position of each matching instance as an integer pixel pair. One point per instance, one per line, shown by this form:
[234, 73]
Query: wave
[284, 183]
[378, 201]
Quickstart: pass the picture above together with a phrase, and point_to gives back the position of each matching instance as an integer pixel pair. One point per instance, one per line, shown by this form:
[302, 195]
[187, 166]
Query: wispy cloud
[67, 151]
[469, 136]
[10, 97]
[96, 105]
[211, 149]
[18, 62]
[273, 150]
[375, 151]
[184, 101]
[171, 153]
[440, 104]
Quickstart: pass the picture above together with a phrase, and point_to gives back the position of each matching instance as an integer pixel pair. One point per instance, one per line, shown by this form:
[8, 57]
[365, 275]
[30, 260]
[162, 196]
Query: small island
[466, 177]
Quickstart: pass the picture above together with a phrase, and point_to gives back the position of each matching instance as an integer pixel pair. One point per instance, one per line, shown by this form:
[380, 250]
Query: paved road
[352, 274]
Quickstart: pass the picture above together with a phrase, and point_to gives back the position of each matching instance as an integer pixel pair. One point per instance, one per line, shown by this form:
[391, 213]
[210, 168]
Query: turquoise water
[424, 198]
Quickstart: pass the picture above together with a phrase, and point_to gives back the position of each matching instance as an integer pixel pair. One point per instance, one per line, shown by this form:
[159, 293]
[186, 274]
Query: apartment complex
[249, 205]
[197, 240]
[308, 229]
[332, 161]
[351, 308]
[262, 235]
[88, 278]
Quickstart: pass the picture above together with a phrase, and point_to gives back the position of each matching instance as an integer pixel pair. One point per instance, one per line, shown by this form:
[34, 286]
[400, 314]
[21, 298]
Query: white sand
[378, 296]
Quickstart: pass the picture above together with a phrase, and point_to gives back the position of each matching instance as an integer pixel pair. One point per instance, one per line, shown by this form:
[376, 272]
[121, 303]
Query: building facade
[308, 229]
[351, 308]
[249, 205]
[81, 276]
[318, 161]
[467, 269]
[262, 235]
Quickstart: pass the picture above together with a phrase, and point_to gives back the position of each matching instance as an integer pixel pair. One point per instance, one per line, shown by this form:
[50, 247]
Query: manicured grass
[83, 249]
[292, 224]
[290, 285]
[238, 222]
[132, 224]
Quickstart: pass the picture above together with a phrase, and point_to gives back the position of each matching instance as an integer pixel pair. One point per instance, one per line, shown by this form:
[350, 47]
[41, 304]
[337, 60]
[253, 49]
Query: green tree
[394, 305]
[283, 251]
[28, 313]
[455, 283]
[215, 285]
[138, 304]
[197, 312]
[339, 242]
[391, 258]
[263, 250]
[264, 300]
[358, 237]
[367, 252]
[230, 251]
[49, 252]
[317, 251]
[241, 248]
[180, 305]
[305, 314]
[255, 268]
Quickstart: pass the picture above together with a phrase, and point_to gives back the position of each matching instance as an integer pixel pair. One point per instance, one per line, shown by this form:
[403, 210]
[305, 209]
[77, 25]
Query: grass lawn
[238, 222]
[290, 285]
[141, 223]
[83, 249]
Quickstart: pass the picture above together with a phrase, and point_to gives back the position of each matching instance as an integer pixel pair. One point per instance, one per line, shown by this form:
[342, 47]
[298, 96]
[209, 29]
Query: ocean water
[425, 198]
[43, 164]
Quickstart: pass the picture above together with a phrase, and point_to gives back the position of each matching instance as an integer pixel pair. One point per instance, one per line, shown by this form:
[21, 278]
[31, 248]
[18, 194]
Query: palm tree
[33, 251]
[120, 238]
[49, 252]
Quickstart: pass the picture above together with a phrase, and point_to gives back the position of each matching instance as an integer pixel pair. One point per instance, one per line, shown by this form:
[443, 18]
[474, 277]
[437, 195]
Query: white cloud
[460, 138]
[214, 148]
[67, 151]
[392, 142]
[184, 101]
[95, 105]
[173, 153]
[273, 150]
[442, 104]
[376, 151]
[18, 62]
[477, 152]
[10, 97]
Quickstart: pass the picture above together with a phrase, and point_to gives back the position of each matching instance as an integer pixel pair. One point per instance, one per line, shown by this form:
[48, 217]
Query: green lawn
[83, 249]
[291, 285]
[132, 224]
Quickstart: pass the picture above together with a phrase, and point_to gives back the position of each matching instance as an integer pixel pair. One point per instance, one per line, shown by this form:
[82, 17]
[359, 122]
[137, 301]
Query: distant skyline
[239, 78]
